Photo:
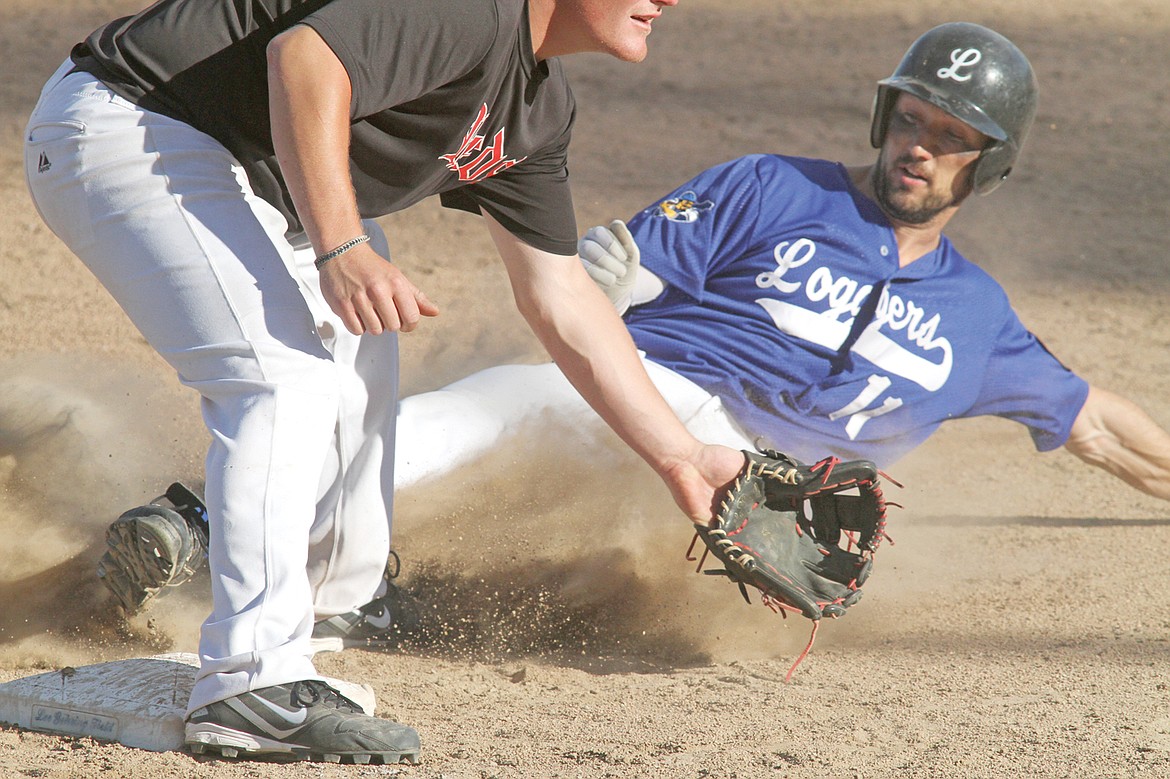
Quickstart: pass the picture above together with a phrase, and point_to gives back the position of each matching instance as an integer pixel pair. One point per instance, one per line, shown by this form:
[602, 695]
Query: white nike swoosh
[295, 717]
[383, 620]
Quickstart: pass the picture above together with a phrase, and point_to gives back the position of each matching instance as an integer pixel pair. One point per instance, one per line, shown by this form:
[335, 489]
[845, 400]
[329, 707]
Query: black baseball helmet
[975, 75]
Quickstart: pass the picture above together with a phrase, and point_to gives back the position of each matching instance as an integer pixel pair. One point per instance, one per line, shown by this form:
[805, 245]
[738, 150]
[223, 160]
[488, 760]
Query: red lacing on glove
[782, 608]
[827, 464]
[691, 553]
[881, 533]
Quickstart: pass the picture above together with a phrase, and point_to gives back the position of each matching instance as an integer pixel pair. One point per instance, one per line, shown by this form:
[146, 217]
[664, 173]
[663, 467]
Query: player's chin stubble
[893, 199]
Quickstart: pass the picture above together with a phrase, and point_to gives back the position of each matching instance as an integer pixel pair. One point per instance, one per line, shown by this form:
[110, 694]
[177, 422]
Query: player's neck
[554, 32]
[539, 19]
[914, 240]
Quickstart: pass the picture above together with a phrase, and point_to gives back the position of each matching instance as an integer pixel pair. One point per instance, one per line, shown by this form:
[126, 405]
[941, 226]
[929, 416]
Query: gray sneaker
[384, 622]
[306, 720]
[159, 545]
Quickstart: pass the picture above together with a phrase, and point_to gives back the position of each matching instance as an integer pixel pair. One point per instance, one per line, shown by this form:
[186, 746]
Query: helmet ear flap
[993, 166]
[883, 101]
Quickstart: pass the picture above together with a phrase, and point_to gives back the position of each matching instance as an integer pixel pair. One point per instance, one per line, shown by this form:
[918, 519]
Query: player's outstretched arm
[581, 331]
[1115, 434]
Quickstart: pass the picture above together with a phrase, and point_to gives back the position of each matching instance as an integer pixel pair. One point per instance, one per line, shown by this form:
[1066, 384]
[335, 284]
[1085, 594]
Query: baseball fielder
[216, 164]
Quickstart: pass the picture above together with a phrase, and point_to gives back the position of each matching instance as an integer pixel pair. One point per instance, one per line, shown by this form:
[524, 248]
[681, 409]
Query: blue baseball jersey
[785, 299]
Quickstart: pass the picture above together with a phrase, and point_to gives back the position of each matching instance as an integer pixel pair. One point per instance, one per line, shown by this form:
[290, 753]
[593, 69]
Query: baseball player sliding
[818, 309]
[810, 307]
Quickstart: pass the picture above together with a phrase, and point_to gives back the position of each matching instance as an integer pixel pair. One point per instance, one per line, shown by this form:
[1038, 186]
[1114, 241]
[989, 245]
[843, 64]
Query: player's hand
[699, 482]
[371, 295]
[612, 259]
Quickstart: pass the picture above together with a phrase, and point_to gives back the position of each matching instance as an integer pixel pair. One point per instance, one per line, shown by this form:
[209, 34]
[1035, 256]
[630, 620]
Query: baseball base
[139, 702]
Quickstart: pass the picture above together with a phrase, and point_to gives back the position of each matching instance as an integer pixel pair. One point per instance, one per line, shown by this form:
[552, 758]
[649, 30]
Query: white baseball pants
[442, 430]
[300, 412]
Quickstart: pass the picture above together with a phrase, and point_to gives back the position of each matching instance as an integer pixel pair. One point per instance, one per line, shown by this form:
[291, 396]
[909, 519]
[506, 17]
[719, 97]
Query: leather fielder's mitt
[804, 536]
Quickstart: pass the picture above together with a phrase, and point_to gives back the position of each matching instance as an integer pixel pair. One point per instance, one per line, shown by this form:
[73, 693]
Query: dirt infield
[1018, 627]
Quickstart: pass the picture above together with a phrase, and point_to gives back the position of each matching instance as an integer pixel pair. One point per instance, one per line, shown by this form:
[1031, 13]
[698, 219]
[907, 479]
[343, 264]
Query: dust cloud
[80, 441]
[575, 554]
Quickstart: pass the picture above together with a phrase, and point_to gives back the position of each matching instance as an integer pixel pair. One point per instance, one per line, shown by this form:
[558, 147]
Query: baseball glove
[804, 536]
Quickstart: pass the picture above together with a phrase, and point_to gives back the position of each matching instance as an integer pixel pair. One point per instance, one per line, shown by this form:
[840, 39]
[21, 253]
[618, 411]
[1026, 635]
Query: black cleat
[307, 720]
[154, 546]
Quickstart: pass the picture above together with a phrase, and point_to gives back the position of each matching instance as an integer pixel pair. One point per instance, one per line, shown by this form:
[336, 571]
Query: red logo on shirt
[483, 161]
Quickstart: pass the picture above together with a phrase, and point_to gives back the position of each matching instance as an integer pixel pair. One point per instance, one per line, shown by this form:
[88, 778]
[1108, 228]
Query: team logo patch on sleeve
[685, 208]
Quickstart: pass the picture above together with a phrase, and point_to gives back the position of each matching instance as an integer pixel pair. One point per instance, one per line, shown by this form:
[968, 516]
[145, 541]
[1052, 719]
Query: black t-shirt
[447, 98]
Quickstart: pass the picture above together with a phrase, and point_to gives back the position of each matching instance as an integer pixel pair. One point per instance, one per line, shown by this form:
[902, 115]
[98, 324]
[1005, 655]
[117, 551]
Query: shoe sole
[318, 645]
[330, 644]
[142, 559]
[208, 738]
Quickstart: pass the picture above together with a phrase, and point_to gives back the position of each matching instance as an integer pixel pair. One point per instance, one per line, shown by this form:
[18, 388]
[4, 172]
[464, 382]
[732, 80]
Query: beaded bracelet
[340, 250]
